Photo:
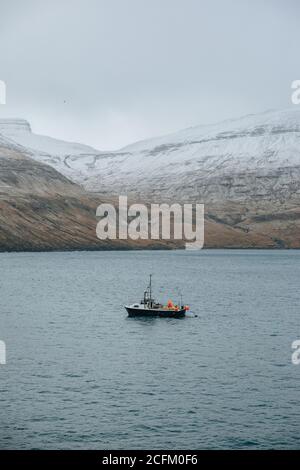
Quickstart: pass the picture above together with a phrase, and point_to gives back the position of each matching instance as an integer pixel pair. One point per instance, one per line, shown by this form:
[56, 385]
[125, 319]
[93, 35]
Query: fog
[110, 72]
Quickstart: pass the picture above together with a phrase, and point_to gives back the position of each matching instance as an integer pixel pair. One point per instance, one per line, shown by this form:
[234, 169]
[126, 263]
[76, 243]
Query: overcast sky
[110, 72]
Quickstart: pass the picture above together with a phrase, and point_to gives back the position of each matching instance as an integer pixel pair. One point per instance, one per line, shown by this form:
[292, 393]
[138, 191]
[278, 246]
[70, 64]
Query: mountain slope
[41, 210]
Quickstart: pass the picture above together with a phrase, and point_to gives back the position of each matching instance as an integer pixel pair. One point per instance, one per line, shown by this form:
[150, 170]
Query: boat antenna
[150, 287]
[180, 295]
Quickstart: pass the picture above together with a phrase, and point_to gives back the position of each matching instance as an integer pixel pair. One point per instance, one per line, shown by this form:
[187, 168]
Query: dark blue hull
[148, 312]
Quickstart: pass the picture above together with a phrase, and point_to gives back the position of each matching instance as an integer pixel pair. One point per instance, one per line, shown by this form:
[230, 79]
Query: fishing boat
[148, 307]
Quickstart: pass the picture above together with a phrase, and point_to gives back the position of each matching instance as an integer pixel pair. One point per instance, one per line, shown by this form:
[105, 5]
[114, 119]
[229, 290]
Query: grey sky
[109, 72]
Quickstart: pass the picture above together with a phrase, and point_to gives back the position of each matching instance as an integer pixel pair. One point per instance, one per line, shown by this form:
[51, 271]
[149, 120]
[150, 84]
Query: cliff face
[13, 127]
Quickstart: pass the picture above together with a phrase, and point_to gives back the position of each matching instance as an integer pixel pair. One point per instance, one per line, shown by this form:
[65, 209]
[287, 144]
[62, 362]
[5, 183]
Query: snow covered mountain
[252, 158]
[246, 171]
[257, 156]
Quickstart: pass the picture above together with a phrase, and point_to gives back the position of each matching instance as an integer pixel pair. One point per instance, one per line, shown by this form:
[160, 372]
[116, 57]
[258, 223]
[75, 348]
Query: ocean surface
[80, 374]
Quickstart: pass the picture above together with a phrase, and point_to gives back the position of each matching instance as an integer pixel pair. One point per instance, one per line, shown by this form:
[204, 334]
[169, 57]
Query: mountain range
[246, 171]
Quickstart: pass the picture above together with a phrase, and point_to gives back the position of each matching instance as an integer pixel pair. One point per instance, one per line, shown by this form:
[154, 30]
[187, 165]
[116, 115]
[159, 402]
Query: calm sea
[80, 374]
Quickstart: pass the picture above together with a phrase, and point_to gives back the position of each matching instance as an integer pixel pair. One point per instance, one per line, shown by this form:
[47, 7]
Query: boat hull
[148, 312]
